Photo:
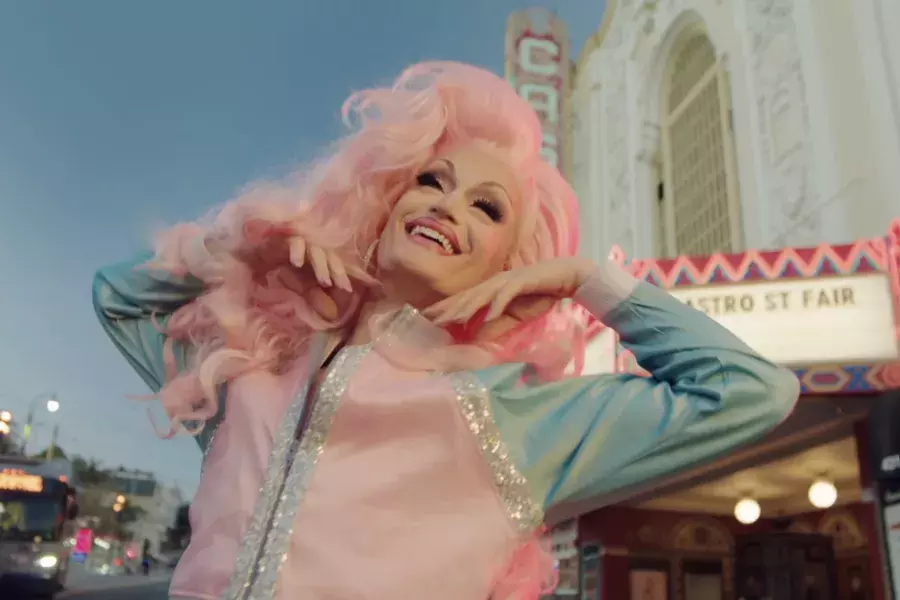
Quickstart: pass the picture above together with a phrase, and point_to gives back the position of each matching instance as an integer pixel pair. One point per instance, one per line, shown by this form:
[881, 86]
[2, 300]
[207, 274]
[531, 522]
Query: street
[85, 584]
[150, 591]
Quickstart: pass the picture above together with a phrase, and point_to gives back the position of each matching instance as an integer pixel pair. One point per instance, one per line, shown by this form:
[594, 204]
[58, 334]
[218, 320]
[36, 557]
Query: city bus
[37, 511]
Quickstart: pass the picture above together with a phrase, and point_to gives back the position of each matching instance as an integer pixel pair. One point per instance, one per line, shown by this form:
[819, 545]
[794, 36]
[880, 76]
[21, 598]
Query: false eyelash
[430, 179]
[490, 209]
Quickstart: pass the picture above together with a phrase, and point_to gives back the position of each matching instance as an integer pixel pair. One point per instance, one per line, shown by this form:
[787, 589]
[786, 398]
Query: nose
[443, 211]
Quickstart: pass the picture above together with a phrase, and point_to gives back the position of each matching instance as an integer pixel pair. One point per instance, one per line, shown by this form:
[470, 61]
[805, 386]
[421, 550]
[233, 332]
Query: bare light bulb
[822, 494]
[747, 511]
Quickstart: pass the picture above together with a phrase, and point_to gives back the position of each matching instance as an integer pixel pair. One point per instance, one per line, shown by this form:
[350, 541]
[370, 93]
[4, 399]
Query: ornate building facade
[744, 155]
[702, 126]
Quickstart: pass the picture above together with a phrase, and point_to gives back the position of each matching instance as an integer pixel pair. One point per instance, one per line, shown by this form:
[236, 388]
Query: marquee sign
[15, 480]
[830, 312]
[829, 320]
[537, 65]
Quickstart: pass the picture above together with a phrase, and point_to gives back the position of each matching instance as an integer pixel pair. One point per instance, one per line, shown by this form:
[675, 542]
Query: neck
[375, 308]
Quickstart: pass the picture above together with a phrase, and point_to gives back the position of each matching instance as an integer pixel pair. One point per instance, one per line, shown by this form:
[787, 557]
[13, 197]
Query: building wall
[816, 117]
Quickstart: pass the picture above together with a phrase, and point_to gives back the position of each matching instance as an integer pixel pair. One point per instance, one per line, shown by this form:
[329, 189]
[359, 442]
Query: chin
[437, 281]
[419, 284]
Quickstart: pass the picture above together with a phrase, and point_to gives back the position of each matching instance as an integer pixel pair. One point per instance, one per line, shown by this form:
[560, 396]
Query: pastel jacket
[388, 481]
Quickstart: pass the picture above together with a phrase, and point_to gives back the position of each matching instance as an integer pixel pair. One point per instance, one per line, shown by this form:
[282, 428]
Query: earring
[370, 254]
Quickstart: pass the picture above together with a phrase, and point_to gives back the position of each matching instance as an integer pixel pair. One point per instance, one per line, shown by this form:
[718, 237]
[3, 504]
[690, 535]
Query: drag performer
[373, 357]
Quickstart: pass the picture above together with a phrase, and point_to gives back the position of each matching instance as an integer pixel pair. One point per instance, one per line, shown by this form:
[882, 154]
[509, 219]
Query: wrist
[608, 286]
[584, 270]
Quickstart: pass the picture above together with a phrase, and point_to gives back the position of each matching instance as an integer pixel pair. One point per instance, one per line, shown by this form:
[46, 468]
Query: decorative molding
[844, 529]
[648, 151]
[783, 118]
[617, 178]
[704, 535]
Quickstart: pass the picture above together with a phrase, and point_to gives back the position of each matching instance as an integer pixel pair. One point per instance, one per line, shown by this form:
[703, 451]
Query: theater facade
[810, 511]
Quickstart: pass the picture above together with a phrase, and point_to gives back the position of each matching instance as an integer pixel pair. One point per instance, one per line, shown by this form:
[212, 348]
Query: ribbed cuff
[608, 287]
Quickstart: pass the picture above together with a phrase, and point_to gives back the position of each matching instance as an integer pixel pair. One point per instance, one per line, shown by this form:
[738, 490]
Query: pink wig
[256, 312]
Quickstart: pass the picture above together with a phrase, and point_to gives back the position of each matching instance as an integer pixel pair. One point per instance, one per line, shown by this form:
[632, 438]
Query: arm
[133, 302]
[707, 393]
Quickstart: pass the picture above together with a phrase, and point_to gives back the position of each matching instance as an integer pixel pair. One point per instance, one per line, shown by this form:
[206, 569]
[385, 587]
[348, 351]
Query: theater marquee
[806, 321]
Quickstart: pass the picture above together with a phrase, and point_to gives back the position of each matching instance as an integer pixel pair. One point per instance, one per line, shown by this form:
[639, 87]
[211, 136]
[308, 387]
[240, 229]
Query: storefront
[821, 486]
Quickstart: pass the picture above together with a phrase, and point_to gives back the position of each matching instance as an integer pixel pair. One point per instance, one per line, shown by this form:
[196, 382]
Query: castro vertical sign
[537, 65]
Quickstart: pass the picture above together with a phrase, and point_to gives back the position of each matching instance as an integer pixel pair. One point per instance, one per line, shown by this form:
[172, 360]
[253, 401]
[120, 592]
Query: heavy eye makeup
[431, 179]
[490, 207]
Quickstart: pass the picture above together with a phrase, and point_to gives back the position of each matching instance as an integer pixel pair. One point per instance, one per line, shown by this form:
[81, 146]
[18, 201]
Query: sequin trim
[308, 450]
[512, 487]
[209, 444]
[249, 555]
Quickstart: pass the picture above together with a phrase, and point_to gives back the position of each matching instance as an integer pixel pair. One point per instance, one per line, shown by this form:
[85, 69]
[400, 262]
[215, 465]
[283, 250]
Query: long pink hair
[255, 295]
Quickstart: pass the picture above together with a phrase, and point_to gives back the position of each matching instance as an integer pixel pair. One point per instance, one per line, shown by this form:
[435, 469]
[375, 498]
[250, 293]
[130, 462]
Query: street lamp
[52, 406]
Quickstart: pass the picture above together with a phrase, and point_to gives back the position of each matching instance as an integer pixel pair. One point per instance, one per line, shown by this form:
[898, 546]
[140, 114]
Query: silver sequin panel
[474, 400]
[248, 556]
[308, 450]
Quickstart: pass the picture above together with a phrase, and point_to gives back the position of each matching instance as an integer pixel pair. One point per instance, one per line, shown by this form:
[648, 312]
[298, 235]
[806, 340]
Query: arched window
[698, 208]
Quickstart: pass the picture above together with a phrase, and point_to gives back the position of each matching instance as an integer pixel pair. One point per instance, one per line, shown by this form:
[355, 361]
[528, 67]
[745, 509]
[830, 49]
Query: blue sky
[116, 117]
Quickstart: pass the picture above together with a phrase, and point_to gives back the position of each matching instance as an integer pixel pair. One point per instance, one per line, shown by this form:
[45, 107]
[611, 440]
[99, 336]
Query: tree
[89, 472]
[56, 453]
[179, 535]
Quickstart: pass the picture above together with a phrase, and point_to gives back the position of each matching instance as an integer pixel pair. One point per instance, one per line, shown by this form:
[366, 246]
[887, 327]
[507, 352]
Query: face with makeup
[455, 227]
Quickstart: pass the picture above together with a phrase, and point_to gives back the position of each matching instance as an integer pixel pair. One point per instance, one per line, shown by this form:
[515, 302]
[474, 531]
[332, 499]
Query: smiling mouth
[433, 238]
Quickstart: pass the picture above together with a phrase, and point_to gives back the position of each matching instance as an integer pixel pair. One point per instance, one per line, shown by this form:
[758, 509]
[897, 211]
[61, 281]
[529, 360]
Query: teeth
[435, 236]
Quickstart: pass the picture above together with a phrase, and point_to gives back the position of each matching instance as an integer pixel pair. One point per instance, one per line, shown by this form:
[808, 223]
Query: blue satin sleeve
[133, 304]
[586, 437]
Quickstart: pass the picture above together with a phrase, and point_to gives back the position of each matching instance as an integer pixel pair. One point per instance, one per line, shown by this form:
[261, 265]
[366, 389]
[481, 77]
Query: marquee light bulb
[747, 511]
[822, 494]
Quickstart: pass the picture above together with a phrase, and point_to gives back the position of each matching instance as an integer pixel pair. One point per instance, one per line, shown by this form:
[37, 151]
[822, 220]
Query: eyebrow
[497, 187]
[450, 166]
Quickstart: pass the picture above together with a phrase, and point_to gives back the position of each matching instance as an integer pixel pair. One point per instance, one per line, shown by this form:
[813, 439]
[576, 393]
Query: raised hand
[519, 292]
[326, 265]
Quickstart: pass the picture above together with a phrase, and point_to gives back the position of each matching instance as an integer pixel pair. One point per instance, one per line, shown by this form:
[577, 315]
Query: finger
[361, 276]
[323, 304]
[319, 261]
[298, 251]
[474, 301]
[491, 330]
[501, 301]
[528, 307]
[338, 273]
[444, 311]
[437, 309]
